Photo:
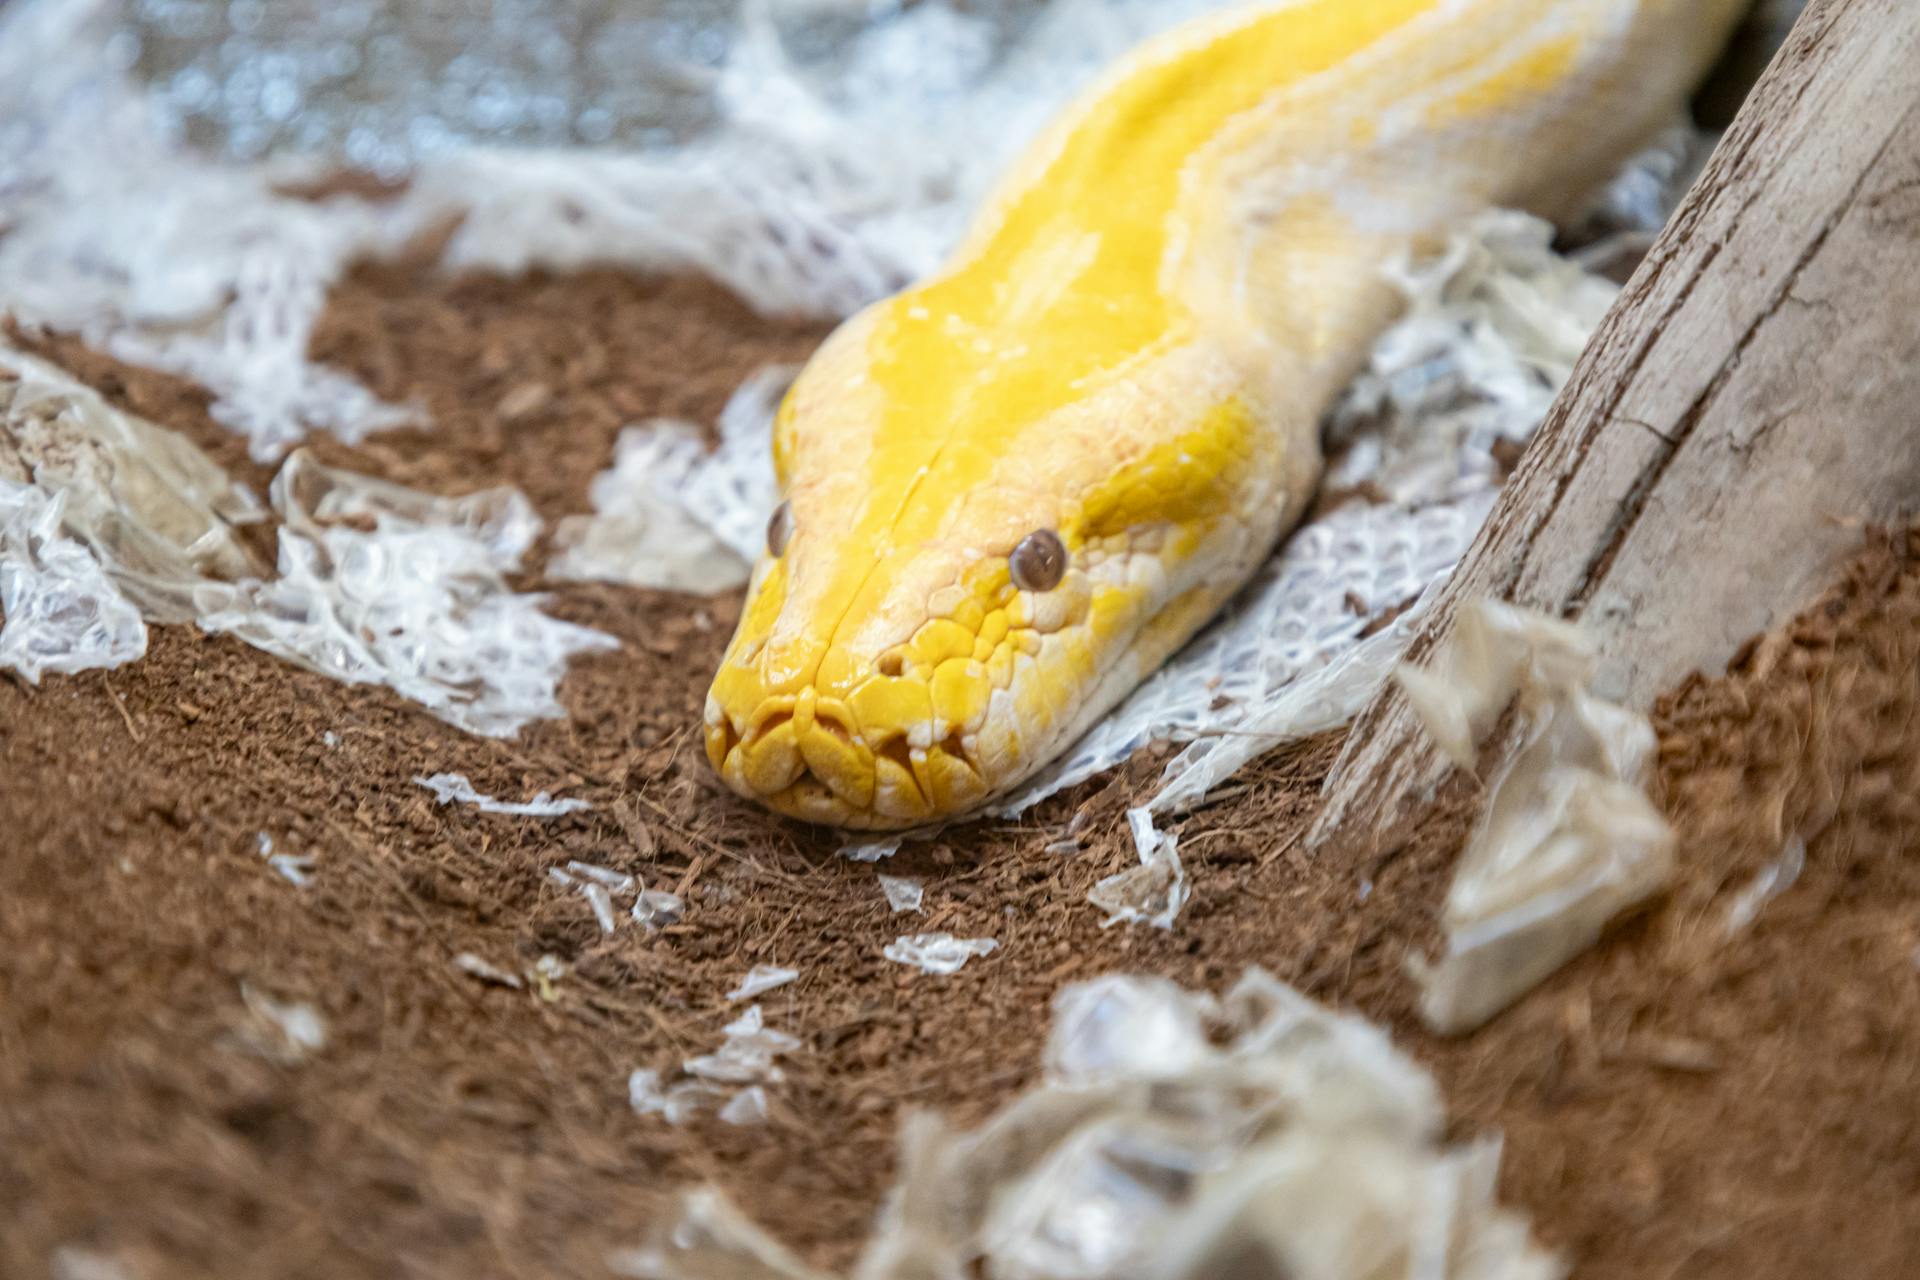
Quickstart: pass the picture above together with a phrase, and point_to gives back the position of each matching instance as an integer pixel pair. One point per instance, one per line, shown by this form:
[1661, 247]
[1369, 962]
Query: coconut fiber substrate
[1696, 1097]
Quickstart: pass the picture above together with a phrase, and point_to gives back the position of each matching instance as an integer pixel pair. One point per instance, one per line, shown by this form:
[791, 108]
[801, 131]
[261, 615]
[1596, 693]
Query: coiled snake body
[1012, 491]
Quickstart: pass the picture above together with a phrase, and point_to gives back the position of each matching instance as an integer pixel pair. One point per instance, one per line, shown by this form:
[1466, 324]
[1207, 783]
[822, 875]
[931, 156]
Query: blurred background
[380, 84]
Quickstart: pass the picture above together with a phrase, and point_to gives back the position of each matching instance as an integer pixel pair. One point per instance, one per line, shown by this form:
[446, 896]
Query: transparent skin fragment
[486, 971]
[762, 978]
[449, 787]
[747, 1107]
[419, 602]
[378, 583]
[903, 893]
[1151, 893]
[1569, 840]
[1174, 1137]
[641, 532]
[105, 519]
[1147, 1165]
[62, 612]
[1119, 1026]
[156, 511]
[1767, 884]
[657, 908]
[729, 1080]
[673, 515]
[287, 1031]
[937, 953]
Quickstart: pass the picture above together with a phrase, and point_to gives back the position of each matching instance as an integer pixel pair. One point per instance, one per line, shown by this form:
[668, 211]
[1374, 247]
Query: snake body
[1014, 489]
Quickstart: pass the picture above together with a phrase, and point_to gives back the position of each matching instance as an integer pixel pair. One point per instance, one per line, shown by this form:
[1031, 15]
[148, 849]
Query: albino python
[1013, 490]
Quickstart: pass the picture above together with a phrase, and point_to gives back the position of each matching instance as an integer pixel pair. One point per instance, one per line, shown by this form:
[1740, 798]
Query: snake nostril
[766, 724]
[892, 664]
[895, 749]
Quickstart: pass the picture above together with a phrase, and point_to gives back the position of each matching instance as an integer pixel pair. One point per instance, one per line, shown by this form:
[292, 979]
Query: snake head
[883, 625]
[958, 582]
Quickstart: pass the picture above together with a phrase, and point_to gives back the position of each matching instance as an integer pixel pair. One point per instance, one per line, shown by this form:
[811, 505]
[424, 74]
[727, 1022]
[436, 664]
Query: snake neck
[1242, 181]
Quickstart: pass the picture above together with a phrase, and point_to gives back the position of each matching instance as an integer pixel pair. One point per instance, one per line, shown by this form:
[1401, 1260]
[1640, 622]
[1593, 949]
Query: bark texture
[1750, 402]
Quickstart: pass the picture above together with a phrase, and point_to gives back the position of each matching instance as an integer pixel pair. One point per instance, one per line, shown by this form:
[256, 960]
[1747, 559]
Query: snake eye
[1039, 562]
[779, 530]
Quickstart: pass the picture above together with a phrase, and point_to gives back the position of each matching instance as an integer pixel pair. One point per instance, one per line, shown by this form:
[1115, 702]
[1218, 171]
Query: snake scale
[1013, 490]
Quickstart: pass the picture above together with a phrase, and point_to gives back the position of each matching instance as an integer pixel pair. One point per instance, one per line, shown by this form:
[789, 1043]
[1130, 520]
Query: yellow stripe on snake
[1012, 491]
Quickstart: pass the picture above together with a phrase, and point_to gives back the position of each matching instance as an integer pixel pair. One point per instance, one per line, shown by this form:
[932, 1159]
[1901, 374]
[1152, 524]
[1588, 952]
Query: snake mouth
[805, 756]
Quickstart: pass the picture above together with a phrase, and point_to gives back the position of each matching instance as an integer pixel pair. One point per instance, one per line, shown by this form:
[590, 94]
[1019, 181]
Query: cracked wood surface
[1752, 399]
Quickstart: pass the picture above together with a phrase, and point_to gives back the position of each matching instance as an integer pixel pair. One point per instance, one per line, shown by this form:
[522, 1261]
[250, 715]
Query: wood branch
[1751, 400]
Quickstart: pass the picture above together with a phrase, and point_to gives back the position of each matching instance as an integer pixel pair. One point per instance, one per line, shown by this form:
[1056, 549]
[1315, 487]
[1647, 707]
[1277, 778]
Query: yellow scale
[1013, 490]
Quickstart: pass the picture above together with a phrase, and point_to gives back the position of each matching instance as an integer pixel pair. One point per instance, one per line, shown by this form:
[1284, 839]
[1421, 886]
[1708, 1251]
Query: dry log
[1750, 402]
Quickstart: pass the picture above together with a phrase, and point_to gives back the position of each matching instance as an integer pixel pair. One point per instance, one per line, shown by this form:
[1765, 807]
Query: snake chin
[899, 725]
[803, 756]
